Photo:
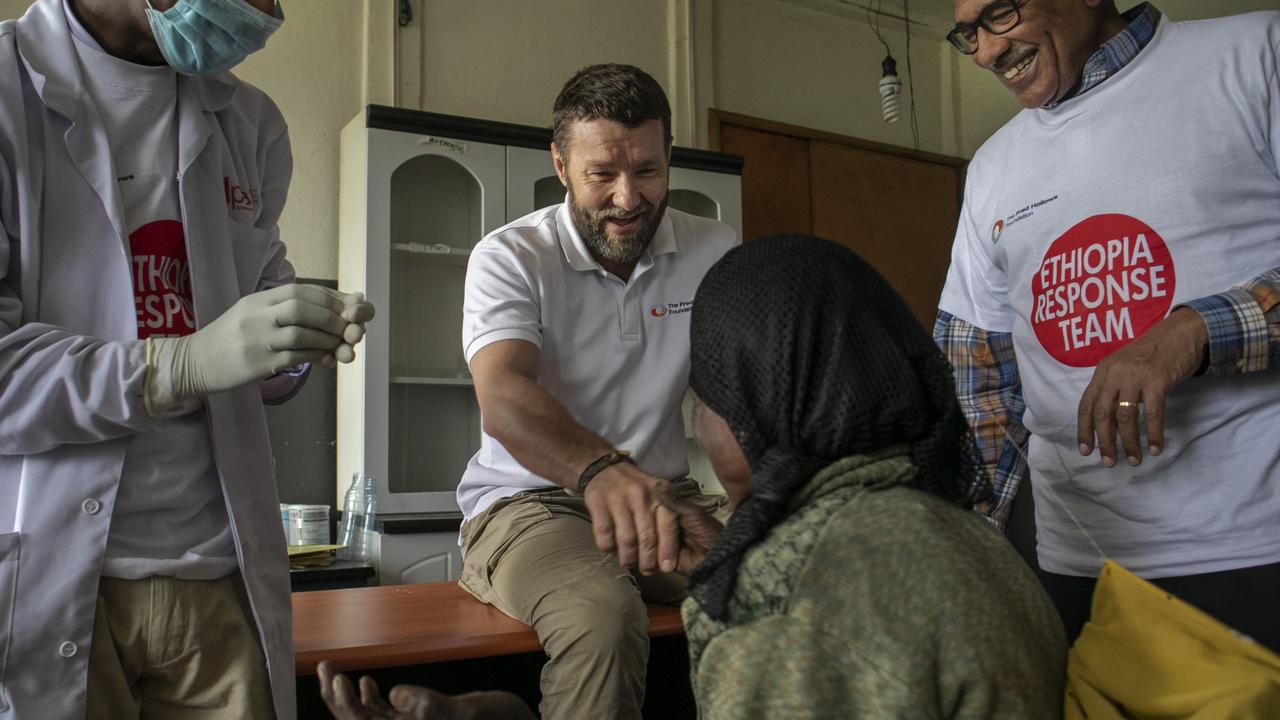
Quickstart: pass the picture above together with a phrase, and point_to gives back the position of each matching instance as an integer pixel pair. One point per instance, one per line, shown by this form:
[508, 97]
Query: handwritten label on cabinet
[456, 148]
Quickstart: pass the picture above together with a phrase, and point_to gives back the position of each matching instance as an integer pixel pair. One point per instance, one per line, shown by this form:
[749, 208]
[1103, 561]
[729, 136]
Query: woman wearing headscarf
[851, 580]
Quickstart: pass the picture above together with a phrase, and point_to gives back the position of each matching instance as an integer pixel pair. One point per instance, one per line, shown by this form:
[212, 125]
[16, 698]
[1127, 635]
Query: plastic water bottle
[370, 518]
[359, 512]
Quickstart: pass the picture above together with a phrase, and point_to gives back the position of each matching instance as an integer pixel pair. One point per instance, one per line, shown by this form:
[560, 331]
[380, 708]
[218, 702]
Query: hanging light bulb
[890, 88]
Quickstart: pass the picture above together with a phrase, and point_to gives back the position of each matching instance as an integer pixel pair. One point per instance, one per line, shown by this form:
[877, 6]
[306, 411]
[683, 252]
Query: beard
[592, 225]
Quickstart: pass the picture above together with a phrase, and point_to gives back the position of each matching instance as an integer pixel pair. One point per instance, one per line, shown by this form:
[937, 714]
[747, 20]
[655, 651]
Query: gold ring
[1126, 404]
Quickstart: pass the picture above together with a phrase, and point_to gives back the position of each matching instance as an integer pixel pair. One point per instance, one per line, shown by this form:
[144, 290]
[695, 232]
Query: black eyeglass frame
[956, 36]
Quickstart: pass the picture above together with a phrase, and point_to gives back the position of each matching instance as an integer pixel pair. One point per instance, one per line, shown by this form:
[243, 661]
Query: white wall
[803, 65]
[779, 60]
[312, 68]
[813, 63]
[507, 60]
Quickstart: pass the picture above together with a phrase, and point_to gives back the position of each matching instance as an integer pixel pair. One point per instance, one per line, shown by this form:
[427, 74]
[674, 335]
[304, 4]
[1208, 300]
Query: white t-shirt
[169, 516]
[1083, 225]
[615, 354]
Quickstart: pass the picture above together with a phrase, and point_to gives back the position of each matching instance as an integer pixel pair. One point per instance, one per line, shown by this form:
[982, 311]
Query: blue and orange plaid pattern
[1119, 50]
[990, 395]
[1244, 326]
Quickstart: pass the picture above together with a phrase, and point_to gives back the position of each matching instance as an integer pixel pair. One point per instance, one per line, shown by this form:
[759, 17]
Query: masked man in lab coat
[146, 312]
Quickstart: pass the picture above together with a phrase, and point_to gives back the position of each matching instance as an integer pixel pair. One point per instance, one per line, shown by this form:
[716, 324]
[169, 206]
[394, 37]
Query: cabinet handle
[452, 146]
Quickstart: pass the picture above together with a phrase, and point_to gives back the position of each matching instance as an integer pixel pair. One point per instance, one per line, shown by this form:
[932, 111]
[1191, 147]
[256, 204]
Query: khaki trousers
[169, 648]
[533, 557]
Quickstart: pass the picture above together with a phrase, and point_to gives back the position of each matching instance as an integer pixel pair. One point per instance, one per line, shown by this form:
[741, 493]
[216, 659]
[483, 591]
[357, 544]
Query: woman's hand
[695, 527]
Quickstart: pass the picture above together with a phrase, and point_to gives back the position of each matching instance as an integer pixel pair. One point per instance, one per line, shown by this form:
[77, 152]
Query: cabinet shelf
[438, 254]
[458, 379]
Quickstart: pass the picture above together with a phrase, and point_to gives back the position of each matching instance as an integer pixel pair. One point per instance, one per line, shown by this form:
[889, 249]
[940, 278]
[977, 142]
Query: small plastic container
[309, 524]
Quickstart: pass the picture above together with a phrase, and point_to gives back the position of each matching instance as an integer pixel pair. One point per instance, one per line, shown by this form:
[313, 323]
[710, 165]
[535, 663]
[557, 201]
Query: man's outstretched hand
[410, 702]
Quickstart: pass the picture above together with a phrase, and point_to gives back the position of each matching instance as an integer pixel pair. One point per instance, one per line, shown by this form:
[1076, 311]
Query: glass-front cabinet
[419, 190]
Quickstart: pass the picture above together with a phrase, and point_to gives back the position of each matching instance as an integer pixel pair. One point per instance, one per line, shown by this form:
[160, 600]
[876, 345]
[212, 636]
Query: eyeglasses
[997, 18]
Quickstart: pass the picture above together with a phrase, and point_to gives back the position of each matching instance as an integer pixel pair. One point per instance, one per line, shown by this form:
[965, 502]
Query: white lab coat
[72, 368]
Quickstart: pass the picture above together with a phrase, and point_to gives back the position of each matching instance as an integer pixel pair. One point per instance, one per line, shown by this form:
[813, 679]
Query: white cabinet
[418, 557]
[419, 190]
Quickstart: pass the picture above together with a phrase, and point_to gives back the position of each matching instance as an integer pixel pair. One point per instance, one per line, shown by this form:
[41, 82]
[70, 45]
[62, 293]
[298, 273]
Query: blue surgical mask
[207, 37]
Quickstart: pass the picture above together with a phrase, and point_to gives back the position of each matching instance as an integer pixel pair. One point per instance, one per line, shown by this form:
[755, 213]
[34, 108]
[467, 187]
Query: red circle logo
[1101, 284]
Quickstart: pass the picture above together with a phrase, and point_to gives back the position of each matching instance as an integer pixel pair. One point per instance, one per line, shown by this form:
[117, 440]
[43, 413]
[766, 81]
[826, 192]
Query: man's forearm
[538, 431]
[989, 391]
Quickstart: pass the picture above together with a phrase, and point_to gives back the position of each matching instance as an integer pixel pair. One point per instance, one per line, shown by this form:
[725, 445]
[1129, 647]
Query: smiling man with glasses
[997, 18]
[1116, 271]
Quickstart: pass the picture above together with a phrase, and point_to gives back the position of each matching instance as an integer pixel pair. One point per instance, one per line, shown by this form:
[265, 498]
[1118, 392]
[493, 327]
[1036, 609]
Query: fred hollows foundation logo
[1101, 284]
[996, 230]
[673, 308]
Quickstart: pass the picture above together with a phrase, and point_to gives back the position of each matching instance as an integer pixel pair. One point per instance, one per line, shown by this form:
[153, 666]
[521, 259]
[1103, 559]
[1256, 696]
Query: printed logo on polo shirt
[996, 230]
[161, 280]
[1101, 284]
[672, 308]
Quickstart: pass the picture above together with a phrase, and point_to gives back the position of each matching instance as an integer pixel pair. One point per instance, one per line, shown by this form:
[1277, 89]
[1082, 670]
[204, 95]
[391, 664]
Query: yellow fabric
[1147, 654]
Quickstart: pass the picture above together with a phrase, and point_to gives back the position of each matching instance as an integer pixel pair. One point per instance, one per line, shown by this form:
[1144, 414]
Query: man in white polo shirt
[576, 329]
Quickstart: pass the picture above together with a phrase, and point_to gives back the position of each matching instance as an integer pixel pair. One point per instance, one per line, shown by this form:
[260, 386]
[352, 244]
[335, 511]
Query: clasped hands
[260, 335]
[636, 517]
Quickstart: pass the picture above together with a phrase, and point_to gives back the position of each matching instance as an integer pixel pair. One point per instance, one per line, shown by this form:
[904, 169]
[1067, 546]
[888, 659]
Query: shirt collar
[1120, 50]
[580, 258]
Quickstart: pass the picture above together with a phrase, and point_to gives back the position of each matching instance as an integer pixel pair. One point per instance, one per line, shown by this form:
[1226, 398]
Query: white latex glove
[260, 335]
[356, 311]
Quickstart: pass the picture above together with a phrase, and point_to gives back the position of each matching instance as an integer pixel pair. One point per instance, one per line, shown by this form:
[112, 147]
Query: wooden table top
[398, 625]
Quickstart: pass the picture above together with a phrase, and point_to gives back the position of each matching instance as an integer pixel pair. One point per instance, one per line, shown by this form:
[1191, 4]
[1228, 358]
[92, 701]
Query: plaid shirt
[1243, 323]
[1119, 50]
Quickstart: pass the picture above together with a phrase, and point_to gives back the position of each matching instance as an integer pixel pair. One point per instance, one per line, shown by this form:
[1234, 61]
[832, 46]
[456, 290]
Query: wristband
[613, 457]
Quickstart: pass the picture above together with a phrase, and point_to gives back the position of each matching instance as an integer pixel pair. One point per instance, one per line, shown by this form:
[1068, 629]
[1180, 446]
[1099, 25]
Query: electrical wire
[876, 27]
[911, 81]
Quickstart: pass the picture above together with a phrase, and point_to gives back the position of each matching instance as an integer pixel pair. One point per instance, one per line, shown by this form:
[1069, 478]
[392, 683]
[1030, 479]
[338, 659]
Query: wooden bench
[402, 625]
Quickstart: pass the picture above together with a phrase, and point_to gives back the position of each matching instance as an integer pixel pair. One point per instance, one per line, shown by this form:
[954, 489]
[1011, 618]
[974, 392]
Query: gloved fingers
[344, 353]
[286, 359]
[312, 294]
[353, 334]
[300, 313]
[327, 361]
[359, 312]
[296, 337]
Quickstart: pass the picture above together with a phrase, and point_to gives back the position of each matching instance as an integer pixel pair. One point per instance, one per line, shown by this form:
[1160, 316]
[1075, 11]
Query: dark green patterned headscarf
[810, 356]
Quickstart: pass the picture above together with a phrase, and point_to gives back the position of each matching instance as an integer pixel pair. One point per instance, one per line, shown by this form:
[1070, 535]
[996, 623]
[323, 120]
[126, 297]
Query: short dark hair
[621, 93]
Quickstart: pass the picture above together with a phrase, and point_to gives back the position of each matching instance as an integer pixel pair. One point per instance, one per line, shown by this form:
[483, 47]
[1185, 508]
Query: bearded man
[576, 330]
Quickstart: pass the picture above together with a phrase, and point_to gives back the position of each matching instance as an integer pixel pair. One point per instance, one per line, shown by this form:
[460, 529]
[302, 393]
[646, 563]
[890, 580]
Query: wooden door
[896, 207]
[775, 181]
[899, 214]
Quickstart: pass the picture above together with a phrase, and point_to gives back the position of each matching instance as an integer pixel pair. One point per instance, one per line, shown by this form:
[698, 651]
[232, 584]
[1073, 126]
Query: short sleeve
[976, 290]
[500, 302]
